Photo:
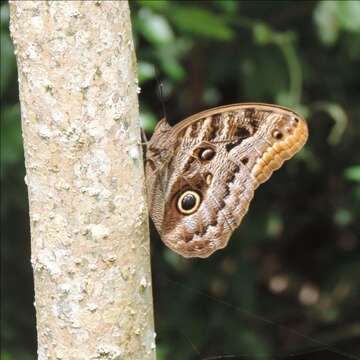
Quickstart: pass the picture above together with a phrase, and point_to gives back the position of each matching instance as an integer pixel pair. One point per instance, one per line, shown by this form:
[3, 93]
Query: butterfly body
[201, 174]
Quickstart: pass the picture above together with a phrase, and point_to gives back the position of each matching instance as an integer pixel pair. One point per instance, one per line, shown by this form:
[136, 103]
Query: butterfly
[201, 174]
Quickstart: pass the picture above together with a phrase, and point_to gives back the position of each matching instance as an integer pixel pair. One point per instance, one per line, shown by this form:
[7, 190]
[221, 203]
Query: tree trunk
[89, 227]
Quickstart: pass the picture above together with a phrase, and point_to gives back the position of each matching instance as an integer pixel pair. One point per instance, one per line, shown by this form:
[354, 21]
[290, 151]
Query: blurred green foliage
[289, 280]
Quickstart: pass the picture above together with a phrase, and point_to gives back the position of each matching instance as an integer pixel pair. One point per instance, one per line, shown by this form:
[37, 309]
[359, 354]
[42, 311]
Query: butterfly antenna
[161, 96]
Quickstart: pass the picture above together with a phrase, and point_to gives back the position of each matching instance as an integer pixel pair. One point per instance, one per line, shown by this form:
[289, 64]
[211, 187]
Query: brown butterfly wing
[246, 143]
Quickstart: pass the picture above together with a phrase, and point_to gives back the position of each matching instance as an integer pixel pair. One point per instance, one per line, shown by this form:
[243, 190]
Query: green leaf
[174, 260]
[147, 121]
[342, 217]
[348, 14]
[274, 226]
[262, 34]
[326, 21]
[338, 115]
[332, 16]
[146, 71]
[7, 64]
[211, 96]
[230, 6]
[171, 66]
[155, 28]
[201, 22]
[6, 356]
[254, 345]
[353, 173]
[162, 352]
[11, 141]
[158, 5]
[4, 15]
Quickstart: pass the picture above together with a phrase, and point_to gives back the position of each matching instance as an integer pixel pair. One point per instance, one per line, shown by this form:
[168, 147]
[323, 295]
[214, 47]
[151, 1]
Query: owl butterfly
[201, 174]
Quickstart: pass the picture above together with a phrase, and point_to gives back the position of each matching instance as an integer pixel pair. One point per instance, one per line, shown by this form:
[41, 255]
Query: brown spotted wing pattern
[201, 174]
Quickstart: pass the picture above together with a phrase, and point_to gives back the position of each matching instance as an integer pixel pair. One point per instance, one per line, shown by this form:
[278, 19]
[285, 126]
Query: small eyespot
[188, 202]
[277, 134]
[207, 154]
[209, 179]
[294, 122]
[245, 160]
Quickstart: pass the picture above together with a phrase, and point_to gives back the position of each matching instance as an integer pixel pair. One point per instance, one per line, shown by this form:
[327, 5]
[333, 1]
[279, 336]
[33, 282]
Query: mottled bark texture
[89, 228]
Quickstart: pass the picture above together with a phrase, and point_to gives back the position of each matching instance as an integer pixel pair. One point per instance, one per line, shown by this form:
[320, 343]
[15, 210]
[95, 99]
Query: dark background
[287, 285]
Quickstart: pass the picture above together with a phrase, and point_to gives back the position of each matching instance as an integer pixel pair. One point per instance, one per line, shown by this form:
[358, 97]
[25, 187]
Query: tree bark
[84, 171]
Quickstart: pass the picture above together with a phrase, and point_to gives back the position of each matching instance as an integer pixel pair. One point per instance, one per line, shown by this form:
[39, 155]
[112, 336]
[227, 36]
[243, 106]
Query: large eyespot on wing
[188, 202]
